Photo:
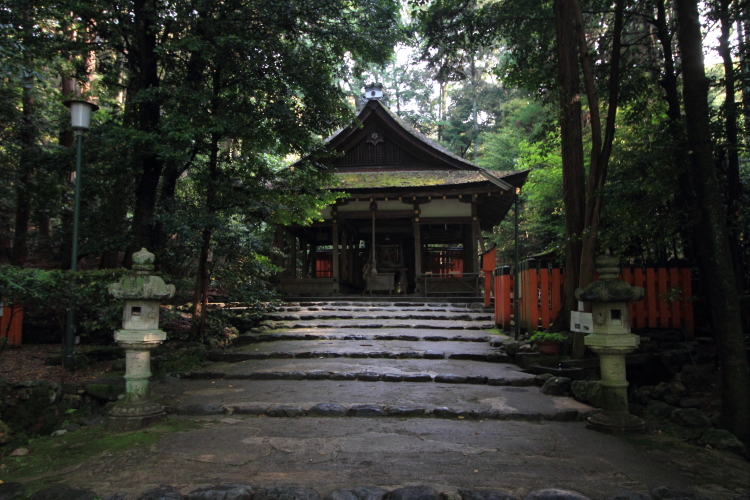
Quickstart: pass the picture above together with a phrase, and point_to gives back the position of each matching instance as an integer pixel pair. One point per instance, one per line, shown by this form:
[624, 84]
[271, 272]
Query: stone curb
[334, 410]
[451, 302]
[395, 316]
[419, 306]
[314, 324]
[235, 357]
[273, 337]
[420, 492]
[446, 378]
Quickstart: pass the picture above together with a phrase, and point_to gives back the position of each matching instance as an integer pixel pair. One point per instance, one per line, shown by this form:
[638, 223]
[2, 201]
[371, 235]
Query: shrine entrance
[409, 258]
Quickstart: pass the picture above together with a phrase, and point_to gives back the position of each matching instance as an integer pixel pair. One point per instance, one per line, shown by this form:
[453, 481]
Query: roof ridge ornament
[373, 91]
[374, 137]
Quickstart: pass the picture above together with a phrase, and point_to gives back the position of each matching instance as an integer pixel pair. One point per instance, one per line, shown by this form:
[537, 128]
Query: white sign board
[581, 322]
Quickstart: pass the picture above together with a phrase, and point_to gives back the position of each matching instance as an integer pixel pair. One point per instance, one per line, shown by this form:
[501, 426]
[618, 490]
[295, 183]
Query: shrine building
[411, 223]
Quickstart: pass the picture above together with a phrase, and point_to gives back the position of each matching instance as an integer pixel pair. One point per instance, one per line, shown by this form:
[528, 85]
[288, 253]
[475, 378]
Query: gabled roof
[375, 114]
[411, 178]
[420, 160]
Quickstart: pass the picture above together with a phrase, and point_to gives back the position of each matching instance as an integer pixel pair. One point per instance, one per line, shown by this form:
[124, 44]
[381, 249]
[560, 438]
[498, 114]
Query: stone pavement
[385, 358]
[313, 402]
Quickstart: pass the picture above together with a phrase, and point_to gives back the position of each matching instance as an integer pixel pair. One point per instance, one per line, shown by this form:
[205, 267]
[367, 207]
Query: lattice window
[383, 153]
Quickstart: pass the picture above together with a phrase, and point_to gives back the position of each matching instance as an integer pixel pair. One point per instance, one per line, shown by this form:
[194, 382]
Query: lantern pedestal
[140, 334]
[612, 340]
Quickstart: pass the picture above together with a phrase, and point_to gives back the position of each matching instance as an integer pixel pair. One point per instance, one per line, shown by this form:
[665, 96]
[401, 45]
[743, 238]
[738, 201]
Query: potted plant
[548, 342]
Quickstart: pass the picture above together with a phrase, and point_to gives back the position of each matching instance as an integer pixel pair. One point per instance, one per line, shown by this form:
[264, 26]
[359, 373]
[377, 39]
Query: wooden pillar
[313, 259]
[335, 229]
[417, 256]
[352, 255]
[305, 258]
[344, 256]
[373, 262]
[475, 234]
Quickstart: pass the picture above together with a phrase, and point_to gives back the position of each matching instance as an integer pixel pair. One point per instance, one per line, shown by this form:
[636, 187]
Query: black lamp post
[80, 120]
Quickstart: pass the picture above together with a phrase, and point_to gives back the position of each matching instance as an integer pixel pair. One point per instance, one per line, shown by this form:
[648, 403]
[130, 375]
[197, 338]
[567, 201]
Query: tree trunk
[601, 147]
[733, 183]
[441, 112]
[727, 327]
[27, 139]
[148, 114]
[202, 280]
[743, 33]
[572, 154]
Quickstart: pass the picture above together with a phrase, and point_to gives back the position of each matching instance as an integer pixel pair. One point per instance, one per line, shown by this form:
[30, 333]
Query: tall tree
[269, 89]
[572, 149]
[714, 246]
[725, 11]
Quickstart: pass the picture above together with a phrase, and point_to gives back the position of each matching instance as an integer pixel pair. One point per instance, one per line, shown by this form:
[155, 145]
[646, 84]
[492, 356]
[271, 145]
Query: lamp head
[80, 113]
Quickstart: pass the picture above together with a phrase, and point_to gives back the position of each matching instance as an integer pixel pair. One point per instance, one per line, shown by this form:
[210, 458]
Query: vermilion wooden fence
[666, 304]
[488, 265]
[11, 323]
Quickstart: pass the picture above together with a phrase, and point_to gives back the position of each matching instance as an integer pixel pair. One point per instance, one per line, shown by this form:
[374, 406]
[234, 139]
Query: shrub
[51, 293]
[548, 337]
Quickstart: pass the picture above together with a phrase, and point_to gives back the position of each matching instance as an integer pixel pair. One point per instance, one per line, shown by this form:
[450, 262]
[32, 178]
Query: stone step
[385, 323]
[329, 398]
[379, 334]
[460, 371]
[391, 315]
[441, 378]
[337, 308]
[413, 348]
[474, 304]
[360, 348]
[235, 357]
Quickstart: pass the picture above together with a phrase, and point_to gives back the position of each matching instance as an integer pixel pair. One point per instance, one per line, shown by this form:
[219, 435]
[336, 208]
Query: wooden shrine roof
[380, 156]
[410, 178]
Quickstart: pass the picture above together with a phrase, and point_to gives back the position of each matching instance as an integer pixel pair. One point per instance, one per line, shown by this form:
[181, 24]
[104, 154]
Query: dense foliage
[203, 107]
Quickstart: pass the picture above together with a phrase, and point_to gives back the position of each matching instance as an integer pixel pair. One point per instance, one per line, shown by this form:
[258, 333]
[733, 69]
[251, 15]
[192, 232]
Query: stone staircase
[371, 358]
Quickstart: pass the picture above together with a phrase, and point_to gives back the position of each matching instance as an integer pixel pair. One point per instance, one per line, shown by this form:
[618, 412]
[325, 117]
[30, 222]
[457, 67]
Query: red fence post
[529, 304]
[557, 280]
[11, 324]
[521, 291]
[544, 295]
[502, 297]
[488, 266]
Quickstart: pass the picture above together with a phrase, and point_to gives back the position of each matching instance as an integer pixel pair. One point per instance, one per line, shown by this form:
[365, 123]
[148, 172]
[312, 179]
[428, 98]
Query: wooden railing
[666, 304]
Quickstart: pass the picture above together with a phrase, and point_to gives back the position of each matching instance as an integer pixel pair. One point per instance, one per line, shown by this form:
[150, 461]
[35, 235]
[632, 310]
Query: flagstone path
[370, 358]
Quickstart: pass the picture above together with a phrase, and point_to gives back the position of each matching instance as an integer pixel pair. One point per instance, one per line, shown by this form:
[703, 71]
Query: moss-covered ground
[49, 457]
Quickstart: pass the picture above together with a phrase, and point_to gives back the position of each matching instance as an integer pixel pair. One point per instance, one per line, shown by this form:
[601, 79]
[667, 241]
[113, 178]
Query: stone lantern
[611, 340]
[140, 333]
